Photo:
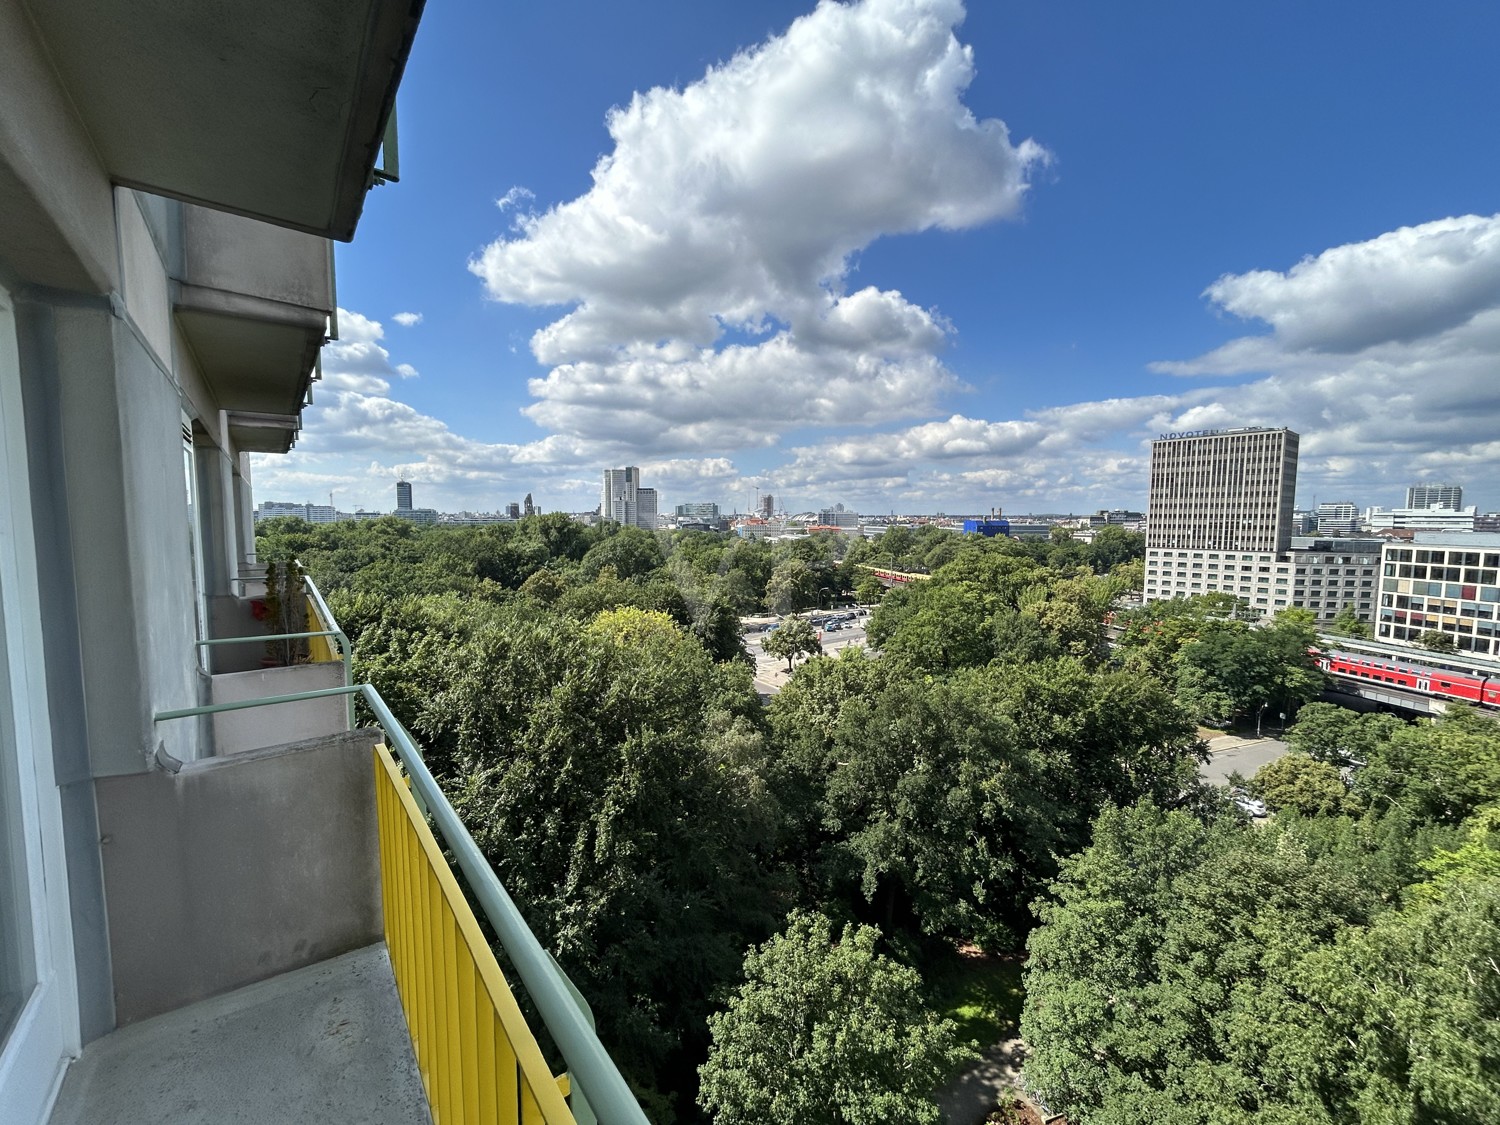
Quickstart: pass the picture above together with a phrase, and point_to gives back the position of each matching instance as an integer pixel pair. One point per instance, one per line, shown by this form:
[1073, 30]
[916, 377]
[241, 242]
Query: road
[770, 671]
[1232, 753]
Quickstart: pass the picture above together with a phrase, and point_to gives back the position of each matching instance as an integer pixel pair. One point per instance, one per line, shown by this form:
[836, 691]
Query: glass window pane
[17, 964]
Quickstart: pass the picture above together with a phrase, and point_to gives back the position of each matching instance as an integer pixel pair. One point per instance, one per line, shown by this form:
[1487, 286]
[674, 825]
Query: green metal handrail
[605, 1089]
[346, 650]
[268, 637]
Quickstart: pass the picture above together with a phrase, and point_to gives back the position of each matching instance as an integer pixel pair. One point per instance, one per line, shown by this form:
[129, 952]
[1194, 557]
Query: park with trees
[764, 903]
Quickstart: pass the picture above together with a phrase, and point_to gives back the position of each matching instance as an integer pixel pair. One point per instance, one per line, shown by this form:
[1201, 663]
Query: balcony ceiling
[263, 433]
[257, 365]
[273, 110]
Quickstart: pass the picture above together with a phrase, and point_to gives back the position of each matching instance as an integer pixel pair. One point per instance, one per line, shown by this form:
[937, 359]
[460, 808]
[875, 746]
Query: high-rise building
[513, 510]
[1435, 496]
[766, 505]
[1338, 517]
[527, 507]
[1421, 519]
[1222, 497]
[403, 496]
[647, 509]
[700, 510]
[1223, 489]
[623, 500]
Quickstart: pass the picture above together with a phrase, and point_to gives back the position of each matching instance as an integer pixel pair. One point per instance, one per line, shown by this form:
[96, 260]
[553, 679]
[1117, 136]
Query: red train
[1467, 685]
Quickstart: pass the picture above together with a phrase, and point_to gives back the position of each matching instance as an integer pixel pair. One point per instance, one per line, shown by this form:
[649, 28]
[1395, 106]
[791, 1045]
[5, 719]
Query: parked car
[1252, 806]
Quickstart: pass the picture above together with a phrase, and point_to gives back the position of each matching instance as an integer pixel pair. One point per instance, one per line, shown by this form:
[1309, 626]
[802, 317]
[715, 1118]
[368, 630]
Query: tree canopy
[826, 1030]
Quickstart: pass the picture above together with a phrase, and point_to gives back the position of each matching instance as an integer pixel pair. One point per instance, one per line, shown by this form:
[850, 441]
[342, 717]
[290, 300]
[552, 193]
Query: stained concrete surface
[323, 1045]
[238, 869]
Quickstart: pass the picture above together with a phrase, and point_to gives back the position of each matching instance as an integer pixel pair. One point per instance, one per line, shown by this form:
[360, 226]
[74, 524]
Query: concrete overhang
[272, 110]
[262, 433]
[261, 364]
[253, 302]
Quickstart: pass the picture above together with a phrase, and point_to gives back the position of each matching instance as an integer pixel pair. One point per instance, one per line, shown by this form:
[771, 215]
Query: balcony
[254, 303]
[276, 111]
[312, 654]
[291, 943]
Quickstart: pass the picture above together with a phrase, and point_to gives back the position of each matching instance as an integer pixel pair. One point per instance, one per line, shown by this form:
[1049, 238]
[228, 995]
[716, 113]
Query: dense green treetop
[827, 1030]
[1320, 969]
[1305, 785]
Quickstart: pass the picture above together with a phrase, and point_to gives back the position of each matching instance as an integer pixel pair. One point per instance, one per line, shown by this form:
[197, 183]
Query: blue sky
[907, 256]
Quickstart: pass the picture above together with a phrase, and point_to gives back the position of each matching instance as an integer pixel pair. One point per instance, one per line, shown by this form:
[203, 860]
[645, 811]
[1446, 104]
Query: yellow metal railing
[479, 1061]
[319, 649]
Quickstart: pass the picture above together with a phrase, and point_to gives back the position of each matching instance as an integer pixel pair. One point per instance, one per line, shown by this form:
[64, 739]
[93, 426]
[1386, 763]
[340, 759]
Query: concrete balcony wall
[240, 256]
[58, 229]
[236, 869]
[230, 616]
[253, 303]
[236, 732]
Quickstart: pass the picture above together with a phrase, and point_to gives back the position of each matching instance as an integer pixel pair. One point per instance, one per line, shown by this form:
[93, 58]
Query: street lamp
[1258, 716]
[821, 591]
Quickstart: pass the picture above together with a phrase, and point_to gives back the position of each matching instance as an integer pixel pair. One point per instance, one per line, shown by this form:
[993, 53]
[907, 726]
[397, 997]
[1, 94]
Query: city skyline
[1065, 256]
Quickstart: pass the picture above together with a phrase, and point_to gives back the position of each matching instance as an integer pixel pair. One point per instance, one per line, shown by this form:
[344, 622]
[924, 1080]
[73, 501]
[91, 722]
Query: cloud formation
[1394, 296]
[704, 270]
[702, 310]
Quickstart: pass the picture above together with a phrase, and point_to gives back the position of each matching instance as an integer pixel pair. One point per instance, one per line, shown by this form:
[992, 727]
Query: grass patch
[980, 993]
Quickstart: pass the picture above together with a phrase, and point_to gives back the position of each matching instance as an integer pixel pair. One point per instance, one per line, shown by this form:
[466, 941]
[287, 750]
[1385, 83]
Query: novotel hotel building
[1220, 514]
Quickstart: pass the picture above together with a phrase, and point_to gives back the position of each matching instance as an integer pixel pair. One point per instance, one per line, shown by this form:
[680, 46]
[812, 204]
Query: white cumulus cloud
[408, 319]
[703, 273]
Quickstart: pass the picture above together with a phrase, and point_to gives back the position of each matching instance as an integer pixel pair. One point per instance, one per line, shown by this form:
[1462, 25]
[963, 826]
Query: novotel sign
[1192, 433]
[1204, 433]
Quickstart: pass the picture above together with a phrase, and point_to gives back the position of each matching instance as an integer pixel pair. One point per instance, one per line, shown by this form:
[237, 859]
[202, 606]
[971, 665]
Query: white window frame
[45, 1035]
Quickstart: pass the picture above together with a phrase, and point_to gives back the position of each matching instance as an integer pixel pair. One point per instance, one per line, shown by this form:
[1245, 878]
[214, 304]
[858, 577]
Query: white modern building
[1435, 496]
[1338, 518]
[839, 518]
[312, 513]
[1420, 519]
[1444, 582]
[623, 500]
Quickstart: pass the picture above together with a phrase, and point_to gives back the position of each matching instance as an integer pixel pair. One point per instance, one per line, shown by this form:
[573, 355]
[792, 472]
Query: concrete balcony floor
[323, 1044]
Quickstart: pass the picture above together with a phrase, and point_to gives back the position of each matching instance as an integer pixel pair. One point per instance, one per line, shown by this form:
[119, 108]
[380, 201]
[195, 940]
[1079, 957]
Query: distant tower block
[527, 507]
[1435, 496]
[403, 496]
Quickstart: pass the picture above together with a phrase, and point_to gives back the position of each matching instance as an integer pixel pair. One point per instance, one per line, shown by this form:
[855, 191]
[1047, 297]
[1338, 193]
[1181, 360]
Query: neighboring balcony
[255, 303]
[250, 658]
[291, 943]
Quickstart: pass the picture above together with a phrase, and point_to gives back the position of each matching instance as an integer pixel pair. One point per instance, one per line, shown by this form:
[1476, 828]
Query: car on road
[1251, 806]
